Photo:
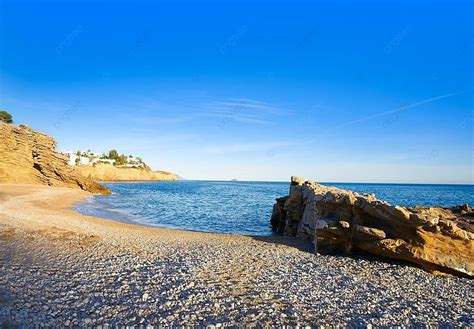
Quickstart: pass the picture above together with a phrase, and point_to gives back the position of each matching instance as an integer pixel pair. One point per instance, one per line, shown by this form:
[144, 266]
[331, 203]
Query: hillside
[107, 172]
[30, 157]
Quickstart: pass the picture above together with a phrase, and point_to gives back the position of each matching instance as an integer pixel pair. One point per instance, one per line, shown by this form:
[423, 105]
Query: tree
[113, 154]
[6, 117]
[121, 160]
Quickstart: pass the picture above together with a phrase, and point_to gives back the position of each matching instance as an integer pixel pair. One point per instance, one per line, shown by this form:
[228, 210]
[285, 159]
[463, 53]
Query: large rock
[438, 239]
[30, 157]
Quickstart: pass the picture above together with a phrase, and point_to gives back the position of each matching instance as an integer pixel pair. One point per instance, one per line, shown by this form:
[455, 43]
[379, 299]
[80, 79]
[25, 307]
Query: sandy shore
[58, 267]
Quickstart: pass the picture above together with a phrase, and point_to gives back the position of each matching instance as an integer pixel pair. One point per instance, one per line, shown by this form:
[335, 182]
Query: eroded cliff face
[30, 157]
[438, 239]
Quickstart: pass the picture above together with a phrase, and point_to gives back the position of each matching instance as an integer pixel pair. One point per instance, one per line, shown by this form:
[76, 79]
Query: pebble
[213, 281]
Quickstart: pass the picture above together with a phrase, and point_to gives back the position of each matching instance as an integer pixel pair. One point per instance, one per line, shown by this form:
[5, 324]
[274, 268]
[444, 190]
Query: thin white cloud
[246, 100]
[246, 147]
[242, 110]
[232, 109]
[244, 106]
[255, 121]
[235, 116]
[399, 109]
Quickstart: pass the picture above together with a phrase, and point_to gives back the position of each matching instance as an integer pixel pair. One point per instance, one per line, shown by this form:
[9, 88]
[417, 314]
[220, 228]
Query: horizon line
[288, 181]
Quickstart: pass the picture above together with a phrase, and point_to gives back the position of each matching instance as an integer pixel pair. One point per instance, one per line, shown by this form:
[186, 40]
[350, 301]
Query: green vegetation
[118, 159]
[6, 117]
[113, 154]
[122, 159]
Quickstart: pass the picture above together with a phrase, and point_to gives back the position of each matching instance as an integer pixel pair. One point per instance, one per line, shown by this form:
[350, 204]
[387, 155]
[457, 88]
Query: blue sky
[366, 91]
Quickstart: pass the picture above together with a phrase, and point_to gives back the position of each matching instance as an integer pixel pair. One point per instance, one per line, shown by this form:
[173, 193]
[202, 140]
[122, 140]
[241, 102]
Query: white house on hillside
[73, 159]
[90, 158]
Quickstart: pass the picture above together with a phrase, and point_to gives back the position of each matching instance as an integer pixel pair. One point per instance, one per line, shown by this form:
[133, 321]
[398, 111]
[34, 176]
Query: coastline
[107, 172]
[61, 268]
[50, 202]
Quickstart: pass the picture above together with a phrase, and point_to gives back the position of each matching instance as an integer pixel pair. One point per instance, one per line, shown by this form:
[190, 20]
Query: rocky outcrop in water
[30, 157]
[439, 239]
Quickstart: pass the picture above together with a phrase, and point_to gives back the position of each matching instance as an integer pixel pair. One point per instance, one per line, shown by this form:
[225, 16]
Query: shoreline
[77, 204]
[127, 220]
[44, 199]
[61, 268]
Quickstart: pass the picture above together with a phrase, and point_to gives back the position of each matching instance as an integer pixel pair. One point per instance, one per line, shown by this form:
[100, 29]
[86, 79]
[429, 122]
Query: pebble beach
[60, 268]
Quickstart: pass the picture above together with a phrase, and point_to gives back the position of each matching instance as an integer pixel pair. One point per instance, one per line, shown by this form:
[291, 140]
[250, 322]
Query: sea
[238, 207]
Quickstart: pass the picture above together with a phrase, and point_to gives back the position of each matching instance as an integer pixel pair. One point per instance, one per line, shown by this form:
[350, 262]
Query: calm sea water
[238, 207]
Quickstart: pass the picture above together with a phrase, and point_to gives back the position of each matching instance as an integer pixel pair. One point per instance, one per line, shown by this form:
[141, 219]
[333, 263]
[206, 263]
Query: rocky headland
[30, 157]
[110, 173]
[339, 221]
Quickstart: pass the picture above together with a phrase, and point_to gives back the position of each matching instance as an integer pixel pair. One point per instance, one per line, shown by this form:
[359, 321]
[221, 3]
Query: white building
[74, 159]
[84, 160]
[90, 158]
[71, 156]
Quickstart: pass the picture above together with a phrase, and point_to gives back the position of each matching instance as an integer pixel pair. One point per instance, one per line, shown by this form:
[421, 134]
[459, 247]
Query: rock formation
[107, 172]
[30, 157]
[438, 239]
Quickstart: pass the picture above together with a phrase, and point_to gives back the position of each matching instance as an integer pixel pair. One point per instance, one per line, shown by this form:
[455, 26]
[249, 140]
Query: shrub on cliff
[121, 160]
[113, 154]
[6, 117]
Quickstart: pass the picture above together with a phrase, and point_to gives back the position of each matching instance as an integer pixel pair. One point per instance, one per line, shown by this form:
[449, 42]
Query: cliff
[107, 172]
[30, 157]
[438, 239]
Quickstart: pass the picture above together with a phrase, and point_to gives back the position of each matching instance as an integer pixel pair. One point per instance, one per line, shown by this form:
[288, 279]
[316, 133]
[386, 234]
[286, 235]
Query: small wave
[244, 208]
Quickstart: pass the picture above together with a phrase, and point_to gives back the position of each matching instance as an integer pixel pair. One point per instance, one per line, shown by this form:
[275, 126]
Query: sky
[334, 91]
